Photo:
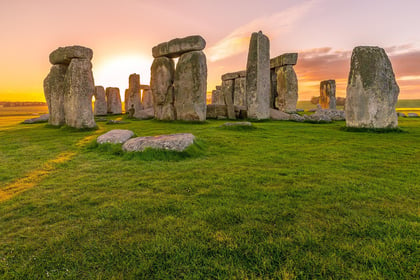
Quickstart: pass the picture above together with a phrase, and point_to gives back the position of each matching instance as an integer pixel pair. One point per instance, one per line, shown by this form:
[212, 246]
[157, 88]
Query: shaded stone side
[372, 91]
[287, 89]
[216, 111]
[113, 100]
[79, 88]
[190, 86]
[258, 77]
[100, 107]
[161, 84]
[327, 94]
[54, 94]
[273, 88]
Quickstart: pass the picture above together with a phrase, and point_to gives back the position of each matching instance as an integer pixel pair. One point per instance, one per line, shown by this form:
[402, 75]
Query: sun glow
[114, 71]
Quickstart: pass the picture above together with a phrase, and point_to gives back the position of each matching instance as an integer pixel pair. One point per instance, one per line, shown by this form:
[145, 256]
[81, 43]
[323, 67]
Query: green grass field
[283, 201]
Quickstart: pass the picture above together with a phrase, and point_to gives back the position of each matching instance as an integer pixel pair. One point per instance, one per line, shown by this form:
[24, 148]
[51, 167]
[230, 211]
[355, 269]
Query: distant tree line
[18, 104]
[340, 101]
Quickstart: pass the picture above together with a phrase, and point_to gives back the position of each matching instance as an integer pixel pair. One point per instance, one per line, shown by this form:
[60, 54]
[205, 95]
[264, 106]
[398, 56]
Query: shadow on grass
[372, 130]
[194, 151]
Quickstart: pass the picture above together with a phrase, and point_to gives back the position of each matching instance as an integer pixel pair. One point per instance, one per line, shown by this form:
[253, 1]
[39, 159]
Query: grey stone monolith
[239, 92]
[78, 91]
[147, 97]
[133, 92]
[258, 77]
[177, 47]
[54, 94]
[372, 91]
[327, 94]
[227, 92]
[100, 107]
[287, 89]
[190, 86]
[161, 84]
[113, 100]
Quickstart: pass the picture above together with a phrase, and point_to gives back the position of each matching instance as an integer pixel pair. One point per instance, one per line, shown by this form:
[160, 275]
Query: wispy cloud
[237, 41]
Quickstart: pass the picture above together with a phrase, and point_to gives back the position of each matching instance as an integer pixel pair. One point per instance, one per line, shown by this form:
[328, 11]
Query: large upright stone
[327, 94]
[79, 88]
[258, 77]
[179, 46]
[227, 91]
[190, 86]
[147, 97]
[161, 84]
[134, 98]
[113, 100]
[372, 91]
[54, 94]
[66, 54]
[239, 92]
[287, 89]
[100, 107]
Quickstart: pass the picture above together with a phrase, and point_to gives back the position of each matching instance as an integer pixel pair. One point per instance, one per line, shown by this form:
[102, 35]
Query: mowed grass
[282, 201]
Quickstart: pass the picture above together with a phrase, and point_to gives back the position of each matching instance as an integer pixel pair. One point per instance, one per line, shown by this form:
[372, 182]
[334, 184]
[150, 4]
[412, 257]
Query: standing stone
[113, 100]
[79, 88]
[258, 77]
[100, 107]
[126, 100]
[190, 86]
[327, 94]
[147, 97]
[372, 91]
[227, 91]
[134, 98]
[161, 84]
[239, 92]
[287, 89]
[54, 94]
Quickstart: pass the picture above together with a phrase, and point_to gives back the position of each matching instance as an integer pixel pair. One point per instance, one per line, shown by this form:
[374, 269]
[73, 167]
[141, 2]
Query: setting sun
[114, 71]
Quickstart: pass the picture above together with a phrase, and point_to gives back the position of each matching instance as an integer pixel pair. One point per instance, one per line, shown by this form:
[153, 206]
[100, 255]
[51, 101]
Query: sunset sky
[122, 34]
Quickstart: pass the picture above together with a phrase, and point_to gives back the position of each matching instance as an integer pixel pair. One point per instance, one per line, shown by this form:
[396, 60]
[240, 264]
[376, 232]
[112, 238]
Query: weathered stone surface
[372, 91]
[115, 136]
[218, 87]
[412, 115]
[100, 106]
[327, 115]
[287, 89]
[144, 87]
[113, 100]
[227, 92]
[258, 77]
[215, 111]
[239, 92]
[279, 115]
[41, 119]
[327, 94]
[134, 98]
[126, 100]
[230, 124]
[175, 142]
[54, 94]
[78, 91]
[190, 87]
[233, 75]
[296, 117]
[217, 97]
[283, 60]
[147, 98]
[65, 54]
[179, 46]
[161, 84]
[145, 114]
